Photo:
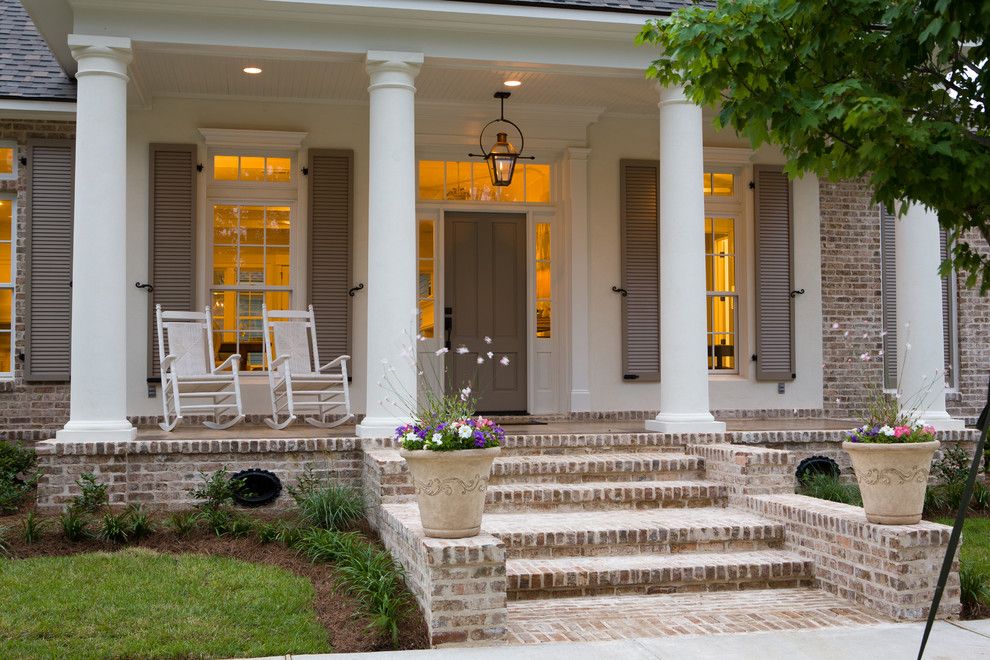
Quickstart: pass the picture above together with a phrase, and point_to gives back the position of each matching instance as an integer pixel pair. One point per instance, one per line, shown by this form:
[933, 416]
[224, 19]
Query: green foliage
[829, 487]
[4, 541]
[75, 525]
[892, 91]
[364, 572]
[182, 523]
[139, 522]
[17, 475]
[136, 603]
[114, 528]
[326, 505]
[239, 526]
[974, 580]
[951, 471]
[92, 494]
[217, 490]
[31, 527]
[286, 532]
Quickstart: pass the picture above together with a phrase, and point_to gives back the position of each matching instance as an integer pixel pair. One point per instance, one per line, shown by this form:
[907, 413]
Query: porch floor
[195, 431]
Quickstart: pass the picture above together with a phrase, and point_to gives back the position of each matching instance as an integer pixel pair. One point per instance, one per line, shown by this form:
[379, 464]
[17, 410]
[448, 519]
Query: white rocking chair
[190, 381]
[299, 384]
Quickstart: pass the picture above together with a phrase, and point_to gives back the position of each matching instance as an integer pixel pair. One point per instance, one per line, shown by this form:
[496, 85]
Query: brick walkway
[631, 617]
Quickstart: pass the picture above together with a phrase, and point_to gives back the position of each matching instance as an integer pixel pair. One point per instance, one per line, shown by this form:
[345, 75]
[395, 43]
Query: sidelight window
[543, 285]
[7, 233]
[425, 279]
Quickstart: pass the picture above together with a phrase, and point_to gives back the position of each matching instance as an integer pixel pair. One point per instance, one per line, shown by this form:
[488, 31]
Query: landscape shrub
[327, 505]
[974, 581]
[286, 532]
[18, 475]
[92, 495]
[182, 523]
[31, 528]
[951, 471]
[364, 572]
[114, 528]
[829, 487]
[217, 491]
[139, 523]
[75, 525]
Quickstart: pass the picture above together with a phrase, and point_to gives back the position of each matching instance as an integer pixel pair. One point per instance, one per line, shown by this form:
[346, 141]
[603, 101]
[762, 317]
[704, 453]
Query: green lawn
[139, 603]
[976, 540]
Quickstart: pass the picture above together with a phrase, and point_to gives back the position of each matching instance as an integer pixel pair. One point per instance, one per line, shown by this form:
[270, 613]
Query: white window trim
[15, 163]
[12, 198]
[731, 206]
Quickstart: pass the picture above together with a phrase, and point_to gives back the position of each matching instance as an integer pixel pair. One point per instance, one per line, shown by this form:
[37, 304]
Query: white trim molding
[239, 138]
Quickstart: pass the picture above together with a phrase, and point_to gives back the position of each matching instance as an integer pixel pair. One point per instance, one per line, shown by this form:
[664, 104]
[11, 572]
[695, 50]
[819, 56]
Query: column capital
[577, 153]
[673, 94]
[392, 69]
[100, 55]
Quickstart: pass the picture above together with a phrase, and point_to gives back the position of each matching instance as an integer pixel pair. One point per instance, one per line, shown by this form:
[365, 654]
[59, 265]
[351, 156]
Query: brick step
[609, 466]
[600, 618]
[646, 531]
[655, 574]
[598, 443]
[601, 495]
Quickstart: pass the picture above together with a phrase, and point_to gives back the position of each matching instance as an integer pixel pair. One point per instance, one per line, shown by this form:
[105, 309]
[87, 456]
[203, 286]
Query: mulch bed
[337, 612]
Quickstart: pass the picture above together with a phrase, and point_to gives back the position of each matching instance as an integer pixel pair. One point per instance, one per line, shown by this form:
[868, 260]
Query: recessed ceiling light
[512, 83]
[253, 70]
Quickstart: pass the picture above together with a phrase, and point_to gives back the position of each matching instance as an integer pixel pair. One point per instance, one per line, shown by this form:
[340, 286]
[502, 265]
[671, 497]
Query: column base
[940, 420]
[580, 400]
[90, 431]
[685, 423]
[380, 427]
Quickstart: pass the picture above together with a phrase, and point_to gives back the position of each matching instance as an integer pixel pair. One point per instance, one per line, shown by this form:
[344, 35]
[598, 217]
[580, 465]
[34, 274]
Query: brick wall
[30, 411]
[974, 344]
[160, 473]
[851, 302]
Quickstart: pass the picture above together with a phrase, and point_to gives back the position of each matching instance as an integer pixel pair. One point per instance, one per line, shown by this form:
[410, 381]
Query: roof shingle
[28, 70]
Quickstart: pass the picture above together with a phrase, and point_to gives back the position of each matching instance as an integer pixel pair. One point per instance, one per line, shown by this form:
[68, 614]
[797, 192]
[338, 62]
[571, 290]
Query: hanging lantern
[502, 157]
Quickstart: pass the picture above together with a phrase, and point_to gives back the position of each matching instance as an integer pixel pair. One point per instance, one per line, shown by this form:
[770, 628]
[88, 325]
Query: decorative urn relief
[892, 478]
[450, 489]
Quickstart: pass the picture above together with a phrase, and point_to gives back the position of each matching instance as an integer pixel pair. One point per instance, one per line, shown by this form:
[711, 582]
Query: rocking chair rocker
[299, 383]
[185, 342]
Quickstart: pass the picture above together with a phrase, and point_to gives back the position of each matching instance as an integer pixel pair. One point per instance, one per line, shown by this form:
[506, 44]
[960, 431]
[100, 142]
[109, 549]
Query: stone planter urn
[892, 479]
[450, 489]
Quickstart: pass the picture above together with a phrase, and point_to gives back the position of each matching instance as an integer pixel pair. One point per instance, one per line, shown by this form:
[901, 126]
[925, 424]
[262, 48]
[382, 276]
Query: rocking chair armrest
[335, 363]
[166, 362]
[233, 362]
[279, 361]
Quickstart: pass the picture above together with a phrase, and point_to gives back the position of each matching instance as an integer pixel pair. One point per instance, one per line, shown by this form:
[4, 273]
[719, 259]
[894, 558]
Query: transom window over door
[251, 267]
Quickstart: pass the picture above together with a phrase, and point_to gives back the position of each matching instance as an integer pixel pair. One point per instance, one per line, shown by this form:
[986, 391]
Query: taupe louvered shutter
[51, 171]
[948, 314]
[331, 185]
[774, 305]
[639, 185]
[172, 235]
[888, 289]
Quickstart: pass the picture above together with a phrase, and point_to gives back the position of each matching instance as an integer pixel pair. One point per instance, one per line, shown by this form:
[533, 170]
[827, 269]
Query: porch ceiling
[166, 73]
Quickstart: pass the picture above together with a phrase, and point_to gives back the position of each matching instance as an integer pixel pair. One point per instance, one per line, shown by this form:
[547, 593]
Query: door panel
[485, 274]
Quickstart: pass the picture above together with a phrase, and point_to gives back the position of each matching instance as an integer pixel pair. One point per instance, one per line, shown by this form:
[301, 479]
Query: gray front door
[485, 291]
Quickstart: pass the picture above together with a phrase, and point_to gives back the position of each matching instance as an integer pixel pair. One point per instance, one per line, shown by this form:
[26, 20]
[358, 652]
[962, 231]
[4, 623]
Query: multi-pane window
[425, 278]
[8, 161]
[722, 300]
[7, 233]
[543, 288]
[259, 169]
[251, 267]
[470, 181]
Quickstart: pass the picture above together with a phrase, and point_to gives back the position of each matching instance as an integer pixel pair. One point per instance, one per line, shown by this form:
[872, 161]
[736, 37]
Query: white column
[683, 322]
[391, 241]
[920, 339]
[98, 403]
[576, 164]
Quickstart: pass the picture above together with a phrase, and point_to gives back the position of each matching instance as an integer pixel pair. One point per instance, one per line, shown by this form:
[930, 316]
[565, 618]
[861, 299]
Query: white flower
[504, 361]
[437, 439]
[866, 335]
[465, 393]
[490, 355]
[907, 346]
[835, 326]
[481, 360]
[461, 350]
[845, 334]
[488, 339]
[410, 437]
[865, 357]
[883, 333]
[440, 351]
[465, 431]
[886, 430]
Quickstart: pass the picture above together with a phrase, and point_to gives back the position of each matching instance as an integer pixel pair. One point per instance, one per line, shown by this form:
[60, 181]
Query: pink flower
[930, 430]
[901, 430]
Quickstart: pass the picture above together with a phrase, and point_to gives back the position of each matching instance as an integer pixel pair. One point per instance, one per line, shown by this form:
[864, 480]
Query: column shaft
[98, 409]
[577, 200]
[920, 336]
[391, 241]
[683, 321]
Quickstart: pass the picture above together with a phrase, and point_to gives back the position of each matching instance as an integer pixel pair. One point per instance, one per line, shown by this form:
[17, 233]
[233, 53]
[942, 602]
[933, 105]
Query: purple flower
[479, 442]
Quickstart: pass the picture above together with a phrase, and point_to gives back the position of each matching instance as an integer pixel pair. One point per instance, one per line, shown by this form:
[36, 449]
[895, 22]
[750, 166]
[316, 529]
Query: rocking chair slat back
[189, 342]
[292, 338]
